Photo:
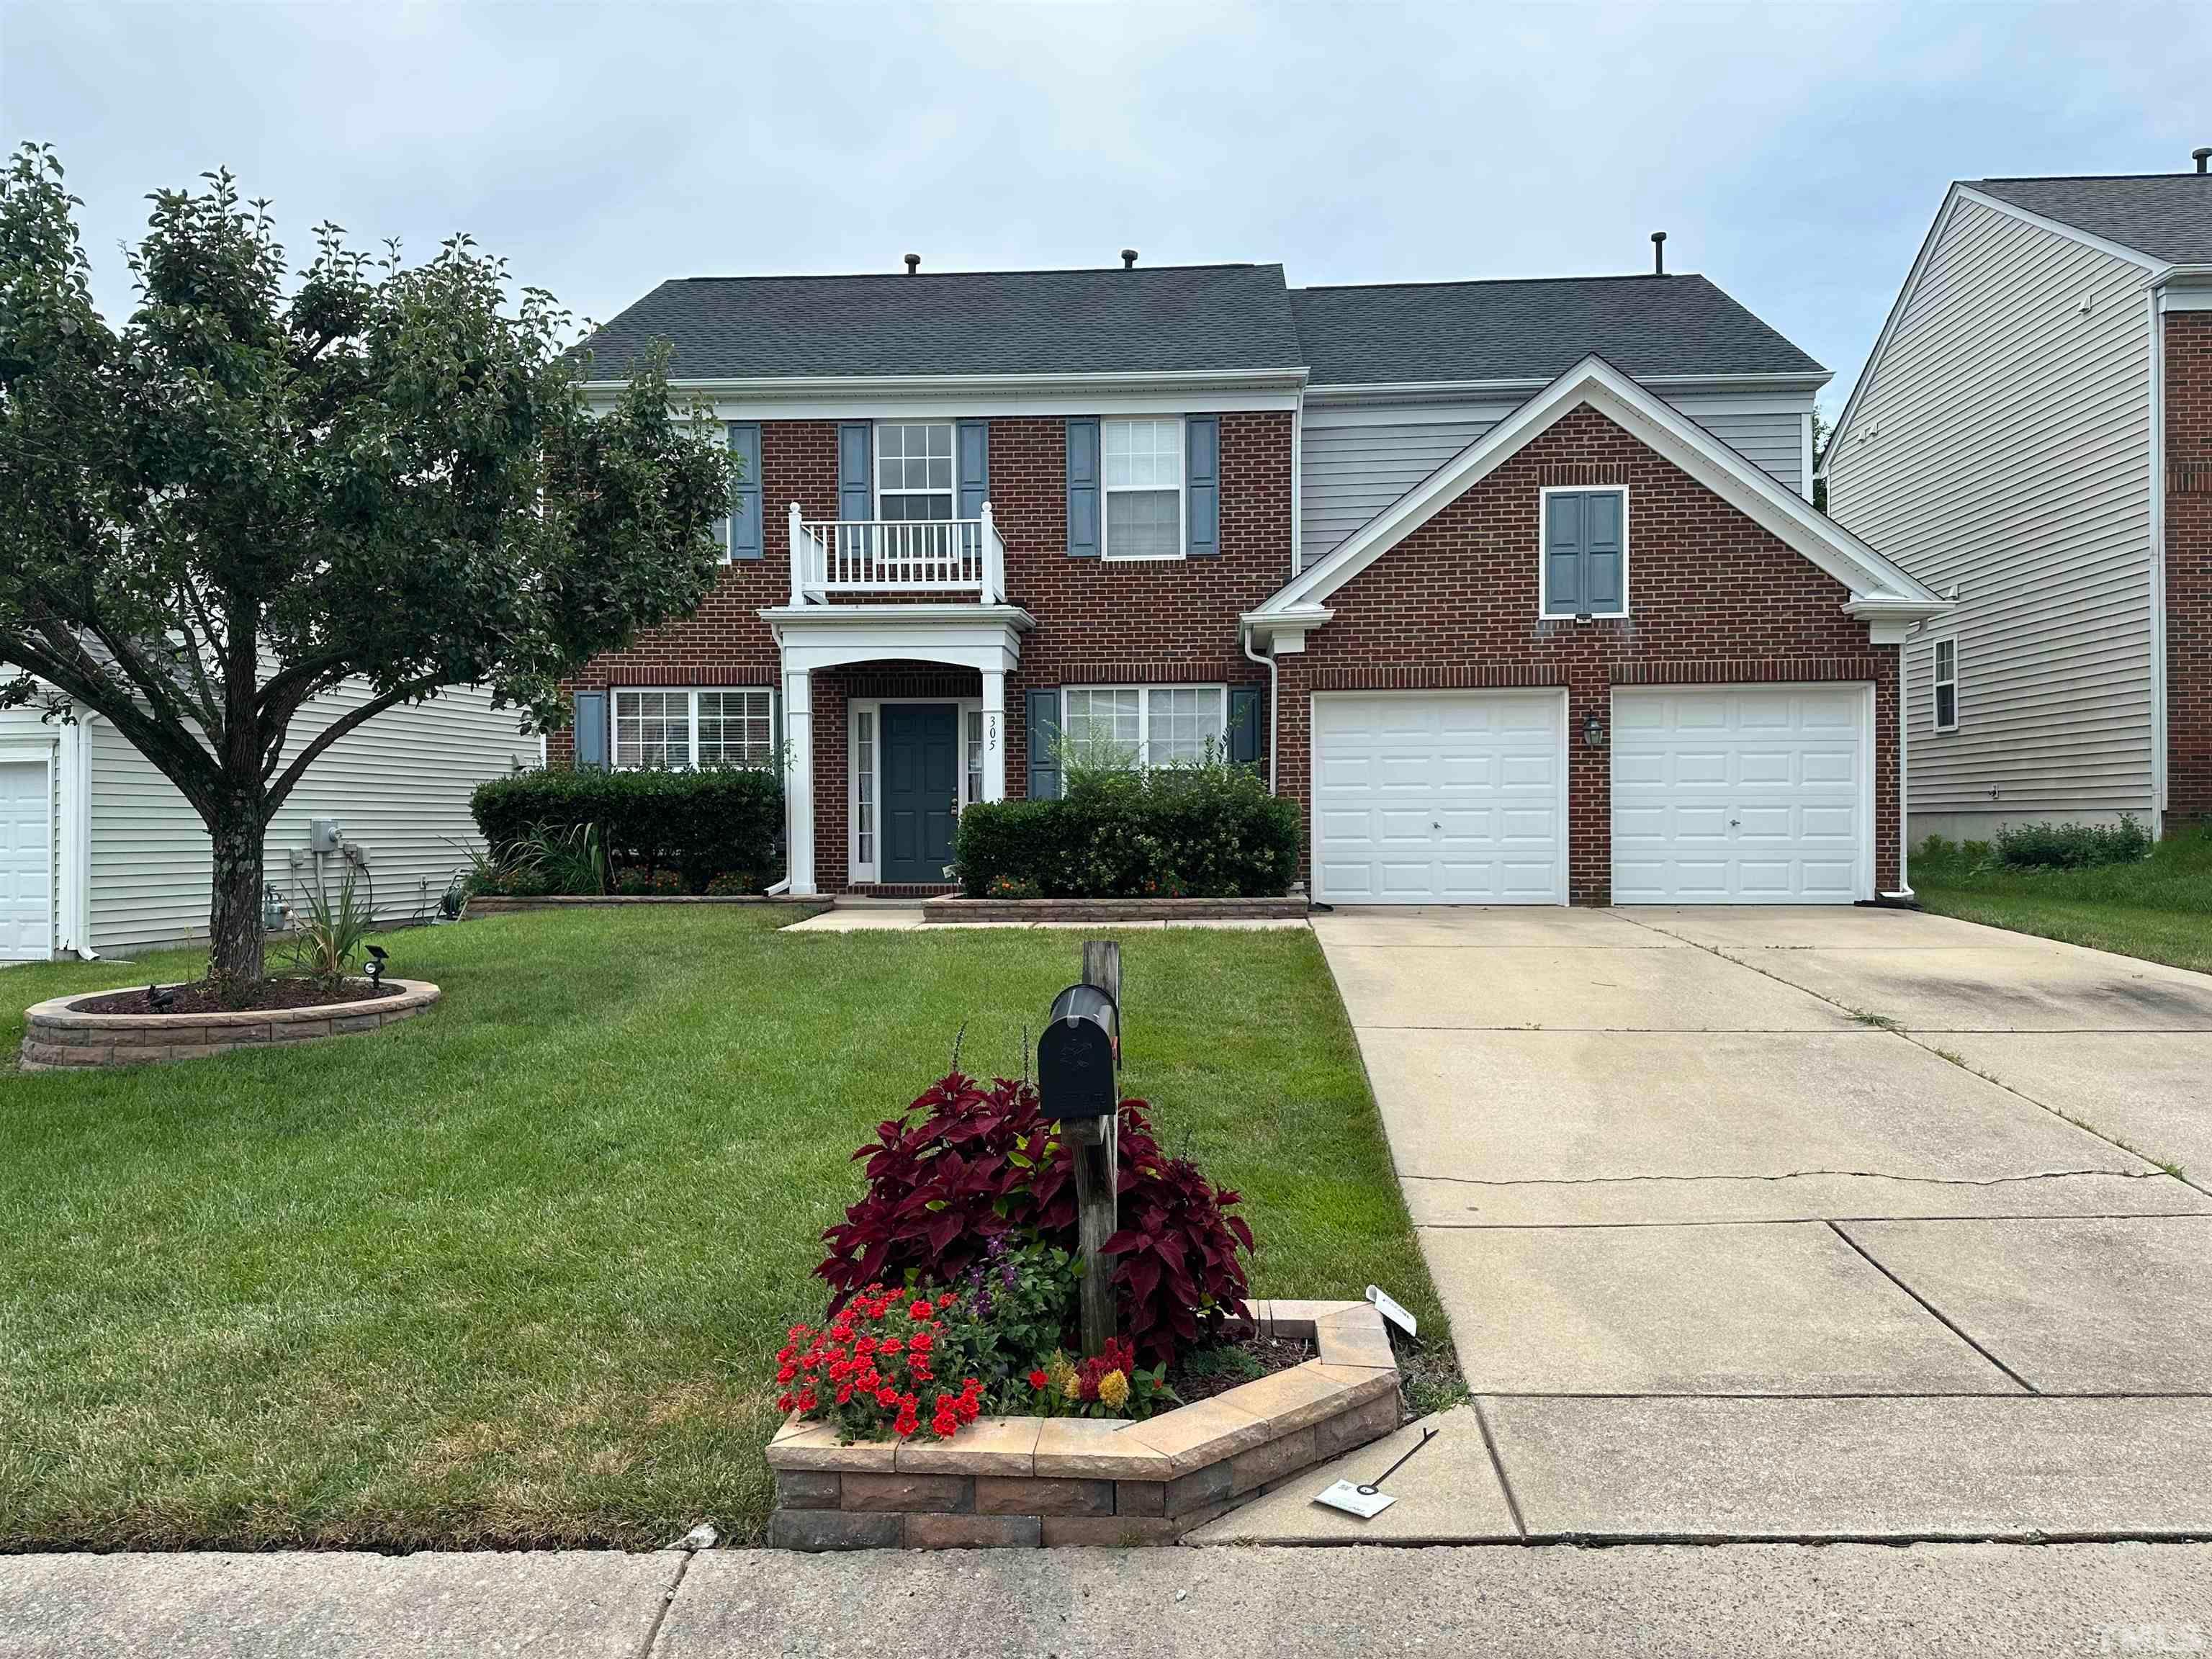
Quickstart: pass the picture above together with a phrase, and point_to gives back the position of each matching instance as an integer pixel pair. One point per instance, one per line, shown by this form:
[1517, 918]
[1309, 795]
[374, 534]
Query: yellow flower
[1114, 1390]
[1060, 1370]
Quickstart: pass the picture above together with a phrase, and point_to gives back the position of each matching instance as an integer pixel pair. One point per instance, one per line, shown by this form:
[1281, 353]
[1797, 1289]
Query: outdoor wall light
[1593, 730]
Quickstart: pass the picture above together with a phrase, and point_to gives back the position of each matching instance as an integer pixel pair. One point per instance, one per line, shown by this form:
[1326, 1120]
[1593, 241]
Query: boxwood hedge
[1198, 831]
[718, 820]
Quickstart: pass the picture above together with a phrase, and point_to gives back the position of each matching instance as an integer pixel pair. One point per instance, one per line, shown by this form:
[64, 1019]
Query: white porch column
[995, 734]
[799, 780]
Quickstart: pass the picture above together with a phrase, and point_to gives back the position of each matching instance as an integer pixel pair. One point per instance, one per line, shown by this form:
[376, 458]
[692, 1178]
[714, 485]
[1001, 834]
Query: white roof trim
[1416, 391]
[794, 385]
[1962, 192]
[1866, 573]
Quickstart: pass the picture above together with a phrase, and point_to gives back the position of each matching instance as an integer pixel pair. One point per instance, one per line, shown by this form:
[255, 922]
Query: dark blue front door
[921, 789]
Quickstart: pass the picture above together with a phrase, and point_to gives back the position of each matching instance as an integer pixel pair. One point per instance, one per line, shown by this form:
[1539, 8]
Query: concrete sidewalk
[1841, 1601]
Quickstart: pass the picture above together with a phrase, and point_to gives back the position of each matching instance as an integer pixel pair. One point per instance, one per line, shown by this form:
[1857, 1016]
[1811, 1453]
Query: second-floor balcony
[937, 558]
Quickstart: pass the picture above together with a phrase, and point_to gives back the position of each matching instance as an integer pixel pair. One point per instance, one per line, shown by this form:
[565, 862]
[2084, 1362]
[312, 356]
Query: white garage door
[1741, 795]
[1440, 798]
[26, 863]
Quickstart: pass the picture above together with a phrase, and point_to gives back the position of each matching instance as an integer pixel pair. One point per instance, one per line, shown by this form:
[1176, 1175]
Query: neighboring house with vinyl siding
[986, 511]
[2034, 431]
[99, 855]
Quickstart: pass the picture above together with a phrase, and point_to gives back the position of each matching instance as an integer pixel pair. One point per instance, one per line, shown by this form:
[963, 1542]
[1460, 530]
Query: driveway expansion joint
[667, 1601]
[1948, 1322]
[1796, 1175]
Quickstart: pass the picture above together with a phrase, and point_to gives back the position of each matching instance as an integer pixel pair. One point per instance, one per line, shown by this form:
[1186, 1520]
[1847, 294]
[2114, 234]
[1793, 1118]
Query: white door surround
[1743, 794]
[1440, 797]
[26, 843]
[987, 638]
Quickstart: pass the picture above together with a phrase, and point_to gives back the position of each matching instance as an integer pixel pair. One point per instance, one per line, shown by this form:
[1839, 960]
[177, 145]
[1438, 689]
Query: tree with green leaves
[265, 484]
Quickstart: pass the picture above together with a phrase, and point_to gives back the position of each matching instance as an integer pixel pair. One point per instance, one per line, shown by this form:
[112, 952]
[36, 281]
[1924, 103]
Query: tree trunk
[235, 929]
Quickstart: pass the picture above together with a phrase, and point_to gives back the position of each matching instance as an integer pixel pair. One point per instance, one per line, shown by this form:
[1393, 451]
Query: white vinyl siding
[2003, 444]
[1354, 463]
[399, 786]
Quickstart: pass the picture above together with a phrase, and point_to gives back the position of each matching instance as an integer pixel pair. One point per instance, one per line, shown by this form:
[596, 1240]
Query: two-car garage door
[1720, 795]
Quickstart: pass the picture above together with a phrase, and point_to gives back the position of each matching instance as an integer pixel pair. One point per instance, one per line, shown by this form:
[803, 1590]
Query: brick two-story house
[1513, 585]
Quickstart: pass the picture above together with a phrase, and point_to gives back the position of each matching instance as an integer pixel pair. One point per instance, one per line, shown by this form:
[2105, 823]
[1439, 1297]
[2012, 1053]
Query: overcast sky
[1794, 154]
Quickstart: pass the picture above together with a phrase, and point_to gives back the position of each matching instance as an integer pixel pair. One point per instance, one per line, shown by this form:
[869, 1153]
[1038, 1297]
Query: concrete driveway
[1796, 1224]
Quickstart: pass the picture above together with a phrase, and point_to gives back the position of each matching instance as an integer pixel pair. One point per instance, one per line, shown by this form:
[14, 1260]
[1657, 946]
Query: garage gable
[1876, 590]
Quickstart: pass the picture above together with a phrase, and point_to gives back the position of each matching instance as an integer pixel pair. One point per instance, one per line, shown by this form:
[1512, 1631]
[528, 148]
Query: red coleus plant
[872, 1367]
[969, 1163]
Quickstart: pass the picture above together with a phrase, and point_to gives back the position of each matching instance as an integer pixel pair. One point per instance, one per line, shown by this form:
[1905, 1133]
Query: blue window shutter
[1201, 443]
[1083, 487]
[591, 730]
[1245, 702]
[972, 448]
[744, 520]
[1563, 555]
[855, 452]
[1601, 550]
[1041, 730]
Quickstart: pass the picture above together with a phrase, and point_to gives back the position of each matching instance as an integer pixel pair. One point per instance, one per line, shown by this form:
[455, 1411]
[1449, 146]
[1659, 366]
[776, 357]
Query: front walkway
[1773, 1223]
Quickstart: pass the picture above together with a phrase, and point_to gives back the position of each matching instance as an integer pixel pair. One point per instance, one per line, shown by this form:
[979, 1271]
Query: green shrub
[2072, 846]
[695, 824]
[1210, 831]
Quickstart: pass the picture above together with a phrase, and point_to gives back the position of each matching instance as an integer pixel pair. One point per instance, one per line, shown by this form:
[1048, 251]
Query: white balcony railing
[950, 556]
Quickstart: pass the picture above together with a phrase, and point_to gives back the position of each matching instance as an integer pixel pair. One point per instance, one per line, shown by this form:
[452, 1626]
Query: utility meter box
[324, 836]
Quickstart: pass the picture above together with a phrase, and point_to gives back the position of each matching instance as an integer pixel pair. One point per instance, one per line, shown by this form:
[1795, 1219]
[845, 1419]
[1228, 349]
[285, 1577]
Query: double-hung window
[1582, 570]
[1143, 480]
[1106, 725]
[914, 471]
[681, 727]
[1947, 685]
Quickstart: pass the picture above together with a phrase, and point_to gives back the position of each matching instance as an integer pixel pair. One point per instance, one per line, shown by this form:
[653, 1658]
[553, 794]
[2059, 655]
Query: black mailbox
[1078, 1053]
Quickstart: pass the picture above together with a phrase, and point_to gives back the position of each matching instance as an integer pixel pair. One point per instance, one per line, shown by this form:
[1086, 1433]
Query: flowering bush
[636, 883]
[870, 1368]
[968, 1164]
[1017, 1303]
[1105, 1385]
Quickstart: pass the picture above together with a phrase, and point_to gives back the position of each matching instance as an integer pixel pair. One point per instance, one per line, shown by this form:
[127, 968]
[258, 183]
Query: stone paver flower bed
[57, 1033]
[1022, 1482]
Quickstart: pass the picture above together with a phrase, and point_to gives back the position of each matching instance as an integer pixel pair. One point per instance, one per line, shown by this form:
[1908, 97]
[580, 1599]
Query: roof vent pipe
[1658, 254]
[1129, 254]
[913, 264]
[2201, 154]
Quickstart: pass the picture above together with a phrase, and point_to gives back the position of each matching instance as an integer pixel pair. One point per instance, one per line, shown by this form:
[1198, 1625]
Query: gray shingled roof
[1533, 331]
[1159, 319]
[2168, 215]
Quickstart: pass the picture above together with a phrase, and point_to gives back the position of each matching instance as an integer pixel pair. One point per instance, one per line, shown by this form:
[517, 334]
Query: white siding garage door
[26, 863]
[1741, 795]
[1440, 798]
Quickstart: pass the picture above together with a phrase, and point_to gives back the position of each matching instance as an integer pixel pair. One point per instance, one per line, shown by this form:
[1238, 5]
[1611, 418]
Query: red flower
[887, 1398]
[1038, 1379]
[921, 1309]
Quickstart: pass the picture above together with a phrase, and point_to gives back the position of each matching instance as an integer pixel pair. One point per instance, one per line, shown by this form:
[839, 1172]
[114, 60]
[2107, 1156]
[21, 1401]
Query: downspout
[2158, 719]
[1274, 688]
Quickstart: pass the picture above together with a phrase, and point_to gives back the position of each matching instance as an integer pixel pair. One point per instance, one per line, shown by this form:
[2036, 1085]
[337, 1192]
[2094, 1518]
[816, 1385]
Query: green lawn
[511, 1274]
[2160, 908]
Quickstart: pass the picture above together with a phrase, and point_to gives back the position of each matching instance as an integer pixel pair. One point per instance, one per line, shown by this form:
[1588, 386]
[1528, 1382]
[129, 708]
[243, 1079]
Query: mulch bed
[1216, 1373]
[207, 997]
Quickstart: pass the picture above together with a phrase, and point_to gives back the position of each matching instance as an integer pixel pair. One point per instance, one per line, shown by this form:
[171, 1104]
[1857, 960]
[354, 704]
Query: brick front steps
[492, 905]
[1292, 908]
[56, 1036]
[1022, 1482]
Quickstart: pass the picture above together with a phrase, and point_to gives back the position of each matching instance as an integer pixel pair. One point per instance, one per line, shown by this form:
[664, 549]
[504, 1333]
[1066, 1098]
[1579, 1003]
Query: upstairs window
[1143, 480]
[1947, 685]
[681, 728]
[914, 471]
[1583, 566]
